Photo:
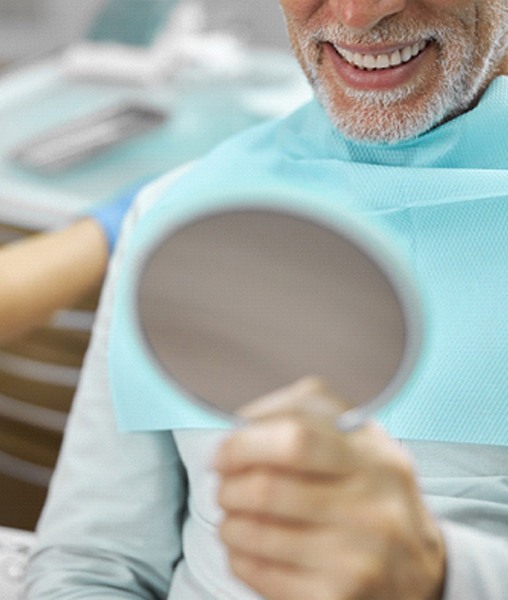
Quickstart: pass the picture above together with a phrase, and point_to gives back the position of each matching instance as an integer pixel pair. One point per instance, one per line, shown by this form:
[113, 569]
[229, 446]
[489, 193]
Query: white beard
[461, 76]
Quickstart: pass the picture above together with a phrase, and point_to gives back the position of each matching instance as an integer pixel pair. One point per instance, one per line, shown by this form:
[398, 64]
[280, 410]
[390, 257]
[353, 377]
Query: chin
[393, 117]
[380, 127]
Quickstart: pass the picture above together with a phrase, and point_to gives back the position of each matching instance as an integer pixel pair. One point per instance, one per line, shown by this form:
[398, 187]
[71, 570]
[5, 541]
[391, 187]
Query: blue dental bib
[441, 200]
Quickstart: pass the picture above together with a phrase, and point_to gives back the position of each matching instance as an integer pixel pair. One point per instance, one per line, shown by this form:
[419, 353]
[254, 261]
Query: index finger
[308, 396]
[299, 444]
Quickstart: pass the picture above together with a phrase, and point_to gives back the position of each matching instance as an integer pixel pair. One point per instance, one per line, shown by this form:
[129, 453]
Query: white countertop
[205, 106]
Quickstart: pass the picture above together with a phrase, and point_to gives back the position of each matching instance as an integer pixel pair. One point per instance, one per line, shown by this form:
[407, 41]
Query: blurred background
[210, 68]
[32, 27]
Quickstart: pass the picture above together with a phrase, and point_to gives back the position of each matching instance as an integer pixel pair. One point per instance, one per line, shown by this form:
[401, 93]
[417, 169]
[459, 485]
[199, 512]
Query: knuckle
[403, 468]
[312, 384]
[264, 490]
[241, 535]
[242, 567]
[391, 530]
[403, 477]
[394, 465]
[367, 576]
[392, 512]
[298, 441]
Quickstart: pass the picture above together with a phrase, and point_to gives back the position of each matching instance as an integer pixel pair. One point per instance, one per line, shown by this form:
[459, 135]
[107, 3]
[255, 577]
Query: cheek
[300, 10]
[465, 11]
[451, 6]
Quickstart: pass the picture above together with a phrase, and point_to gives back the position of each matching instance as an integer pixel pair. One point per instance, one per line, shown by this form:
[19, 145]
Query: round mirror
[237, 303]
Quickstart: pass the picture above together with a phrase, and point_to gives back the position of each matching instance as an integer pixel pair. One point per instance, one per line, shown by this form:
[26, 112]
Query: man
[446, 54]
[414, 92]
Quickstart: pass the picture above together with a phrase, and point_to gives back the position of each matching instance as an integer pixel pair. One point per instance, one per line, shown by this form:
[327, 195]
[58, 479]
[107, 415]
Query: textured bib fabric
[441, 200]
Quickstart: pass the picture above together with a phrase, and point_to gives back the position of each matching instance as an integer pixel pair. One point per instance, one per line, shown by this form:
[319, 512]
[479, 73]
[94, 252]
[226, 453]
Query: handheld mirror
[234, 303]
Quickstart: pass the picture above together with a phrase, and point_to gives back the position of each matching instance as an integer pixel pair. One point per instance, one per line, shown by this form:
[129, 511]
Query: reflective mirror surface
[236, 304]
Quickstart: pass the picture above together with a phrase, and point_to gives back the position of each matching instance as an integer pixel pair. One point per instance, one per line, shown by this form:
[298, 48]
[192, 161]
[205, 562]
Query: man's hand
[313, 513]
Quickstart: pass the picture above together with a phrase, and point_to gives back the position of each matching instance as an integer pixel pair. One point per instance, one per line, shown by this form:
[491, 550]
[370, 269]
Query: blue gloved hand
[110, 214]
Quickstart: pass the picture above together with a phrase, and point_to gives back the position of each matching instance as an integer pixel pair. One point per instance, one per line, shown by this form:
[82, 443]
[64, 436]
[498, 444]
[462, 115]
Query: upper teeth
[382, 61]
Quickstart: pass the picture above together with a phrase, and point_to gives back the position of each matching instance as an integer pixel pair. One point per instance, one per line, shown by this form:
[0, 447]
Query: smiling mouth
[378, 62]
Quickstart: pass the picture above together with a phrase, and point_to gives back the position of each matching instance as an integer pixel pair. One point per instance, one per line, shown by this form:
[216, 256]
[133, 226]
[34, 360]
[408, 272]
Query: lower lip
[381, 79]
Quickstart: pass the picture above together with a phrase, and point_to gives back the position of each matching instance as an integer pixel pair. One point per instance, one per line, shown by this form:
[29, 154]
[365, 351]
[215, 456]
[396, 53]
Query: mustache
[387, 33]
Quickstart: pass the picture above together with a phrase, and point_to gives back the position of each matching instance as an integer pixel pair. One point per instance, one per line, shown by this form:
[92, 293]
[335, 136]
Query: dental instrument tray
[80, 139]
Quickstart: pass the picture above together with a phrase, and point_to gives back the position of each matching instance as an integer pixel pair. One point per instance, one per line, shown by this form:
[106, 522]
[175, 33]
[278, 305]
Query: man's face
[388, 70]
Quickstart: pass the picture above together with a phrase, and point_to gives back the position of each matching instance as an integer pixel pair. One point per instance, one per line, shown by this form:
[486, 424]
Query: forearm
[46, 272]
